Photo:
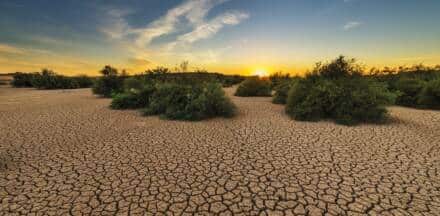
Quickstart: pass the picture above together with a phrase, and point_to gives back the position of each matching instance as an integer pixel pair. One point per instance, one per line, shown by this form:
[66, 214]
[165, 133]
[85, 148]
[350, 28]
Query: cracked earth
[65, 152]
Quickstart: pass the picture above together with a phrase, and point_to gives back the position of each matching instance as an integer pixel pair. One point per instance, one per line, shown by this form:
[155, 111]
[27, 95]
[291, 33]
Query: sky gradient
[228, 36]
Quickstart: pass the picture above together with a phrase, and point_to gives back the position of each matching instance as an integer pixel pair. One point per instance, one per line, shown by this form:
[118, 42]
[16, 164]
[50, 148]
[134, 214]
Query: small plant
[109, 83]
[278, 78]
[133, 98]
[20, 80]
[409, 89]
[429, 97]
[282, 91]
[48, 79]
[254, 87]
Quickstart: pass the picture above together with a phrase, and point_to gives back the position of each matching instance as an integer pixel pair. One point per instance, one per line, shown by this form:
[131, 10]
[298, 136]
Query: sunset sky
[228, 36]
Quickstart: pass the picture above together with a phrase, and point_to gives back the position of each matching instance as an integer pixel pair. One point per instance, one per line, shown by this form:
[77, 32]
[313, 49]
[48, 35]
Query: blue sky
[230, 36]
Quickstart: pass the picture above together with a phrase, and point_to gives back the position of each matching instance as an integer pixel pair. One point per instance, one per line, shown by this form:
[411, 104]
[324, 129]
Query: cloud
[352, 25]
[194, 12]
[139, 61]
[208, 29]
[8, 49]
[116, 26]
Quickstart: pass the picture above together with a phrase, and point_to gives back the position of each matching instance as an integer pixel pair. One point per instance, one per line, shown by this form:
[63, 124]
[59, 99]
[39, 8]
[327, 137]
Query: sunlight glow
[261, 73]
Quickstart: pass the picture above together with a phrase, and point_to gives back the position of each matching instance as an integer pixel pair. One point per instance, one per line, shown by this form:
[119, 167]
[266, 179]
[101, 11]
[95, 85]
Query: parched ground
[65, 152]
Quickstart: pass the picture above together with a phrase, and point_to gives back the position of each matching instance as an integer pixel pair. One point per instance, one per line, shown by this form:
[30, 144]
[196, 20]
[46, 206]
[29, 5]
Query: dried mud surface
[65, 152]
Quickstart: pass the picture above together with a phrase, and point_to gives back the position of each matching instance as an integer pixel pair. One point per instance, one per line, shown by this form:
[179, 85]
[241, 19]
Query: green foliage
[337, 91]
[22, 79]
[162, 74]
[133, 84]
[282, 90]
[109, 83]
[48, 79]
[254, 87]
[133, 98]
[189, 102]
[83, 81]
[409, 89]
[429, 97]
[278, 78]
[338, 68]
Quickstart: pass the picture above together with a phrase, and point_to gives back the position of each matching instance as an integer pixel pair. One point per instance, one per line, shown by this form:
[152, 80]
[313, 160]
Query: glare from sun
[261, 73]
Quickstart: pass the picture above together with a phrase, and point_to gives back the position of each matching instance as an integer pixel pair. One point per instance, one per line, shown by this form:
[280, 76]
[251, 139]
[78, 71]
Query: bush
[20, 80]
[48, 79]
[186, 102]
[109, 83]
[342, 95]
[409, 90]
[277, 79]
[133, 98]
[83, 81]
[429, 97]
[282, 90]
[254, 87]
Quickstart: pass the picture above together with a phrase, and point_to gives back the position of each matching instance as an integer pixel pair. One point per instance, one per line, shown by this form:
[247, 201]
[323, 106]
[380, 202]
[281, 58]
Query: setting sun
[261, 73]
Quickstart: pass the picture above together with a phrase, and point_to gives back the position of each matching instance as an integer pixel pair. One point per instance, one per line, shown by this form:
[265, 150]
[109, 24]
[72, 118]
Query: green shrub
[133, 84]
[277, 79]
[20, 80]
[189, 102]
[83, 81]
[342, 95]
[254, 87]
[282, 90]
[429, 97]
[109, 83]
[48, 79]
[133, 98]
[409, 90]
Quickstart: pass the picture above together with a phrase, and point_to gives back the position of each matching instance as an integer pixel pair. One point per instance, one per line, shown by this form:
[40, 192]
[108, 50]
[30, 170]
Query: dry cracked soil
[64, 152]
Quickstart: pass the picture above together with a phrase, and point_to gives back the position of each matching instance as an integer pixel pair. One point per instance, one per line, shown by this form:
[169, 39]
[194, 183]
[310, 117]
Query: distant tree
[109, 71]
[184, 66]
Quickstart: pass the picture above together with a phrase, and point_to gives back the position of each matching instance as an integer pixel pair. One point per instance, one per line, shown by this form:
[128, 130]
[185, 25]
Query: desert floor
[66, 152]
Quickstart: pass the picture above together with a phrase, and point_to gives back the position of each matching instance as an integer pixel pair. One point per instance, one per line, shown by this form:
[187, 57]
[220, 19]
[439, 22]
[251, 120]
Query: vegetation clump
[155, 93]
[429, 97]
[338, 91]
[282, 91]
[48, 79]
[190, 102]
[254, 87]
[111, 82]
[414, 85]
[22, 80]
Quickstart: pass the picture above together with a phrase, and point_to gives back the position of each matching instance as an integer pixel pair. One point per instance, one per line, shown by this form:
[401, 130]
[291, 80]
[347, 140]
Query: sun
[261, 73]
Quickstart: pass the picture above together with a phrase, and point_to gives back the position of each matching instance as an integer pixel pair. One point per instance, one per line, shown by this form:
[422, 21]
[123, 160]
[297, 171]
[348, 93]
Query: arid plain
[65, 152]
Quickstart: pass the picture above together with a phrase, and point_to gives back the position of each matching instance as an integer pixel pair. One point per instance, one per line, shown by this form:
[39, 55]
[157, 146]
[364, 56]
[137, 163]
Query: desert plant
[189, 102]
[409, 89]
[429, 97]
[254, 87]
[342, 95]
[277, 79]
[282, 90]
[83, 81]
[22, 79]
[109, 83]
[133, 98]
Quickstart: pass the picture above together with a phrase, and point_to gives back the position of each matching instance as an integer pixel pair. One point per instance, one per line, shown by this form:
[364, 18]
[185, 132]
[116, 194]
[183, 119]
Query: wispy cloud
[194, 12]
[210, 28]
[10, 49]
[352, 25]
